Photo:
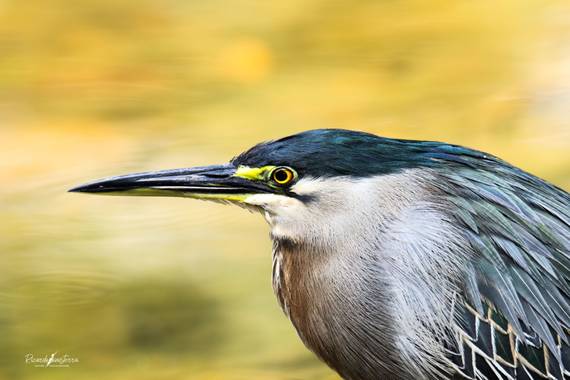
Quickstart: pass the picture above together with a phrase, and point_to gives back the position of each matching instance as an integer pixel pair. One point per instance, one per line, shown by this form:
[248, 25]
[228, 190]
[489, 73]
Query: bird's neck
[358, 297]
[325, 299]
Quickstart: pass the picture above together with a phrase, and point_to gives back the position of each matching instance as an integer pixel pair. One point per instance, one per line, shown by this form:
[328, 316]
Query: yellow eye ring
[282, 175]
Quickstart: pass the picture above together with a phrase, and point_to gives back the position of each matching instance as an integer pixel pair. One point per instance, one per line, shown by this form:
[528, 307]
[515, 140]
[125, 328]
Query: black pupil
[281, 175]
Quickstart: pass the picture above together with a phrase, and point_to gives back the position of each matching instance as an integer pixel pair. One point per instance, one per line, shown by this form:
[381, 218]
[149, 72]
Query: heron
[401, 259]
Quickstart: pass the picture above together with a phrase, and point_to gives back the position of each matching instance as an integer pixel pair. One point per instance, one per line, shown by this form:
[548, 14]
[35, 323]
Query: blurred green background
[140, 288]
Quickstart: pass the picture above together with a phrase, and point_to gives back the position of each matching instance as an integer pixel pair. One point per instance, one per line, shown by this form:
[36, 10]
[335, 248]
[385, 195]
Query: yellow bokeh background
[179, 289]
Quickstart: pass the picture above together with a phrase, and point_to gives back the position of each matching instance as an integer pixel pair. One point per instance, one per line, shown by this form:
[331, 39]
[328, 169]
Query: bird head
[314, 179]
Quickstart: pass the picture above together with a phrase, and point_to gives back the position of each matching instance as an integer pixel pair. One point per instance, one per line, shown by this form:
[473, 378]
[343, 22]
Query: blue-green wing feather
[518, 227]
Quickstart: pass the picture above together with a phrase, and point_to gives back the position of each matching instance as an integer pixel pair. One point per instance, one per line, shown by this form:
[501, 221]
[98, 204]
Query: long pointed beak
[207, 182]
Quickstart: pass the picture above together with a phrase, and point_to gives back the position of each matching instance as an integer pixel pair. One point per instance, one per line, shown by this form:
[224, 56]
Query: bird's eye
[283, 175]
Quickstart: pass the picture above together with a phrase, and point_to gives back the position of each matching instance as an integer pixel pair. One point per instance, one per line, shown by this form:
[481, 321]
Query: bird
[401, 259]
